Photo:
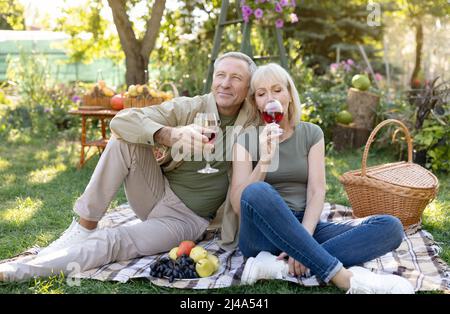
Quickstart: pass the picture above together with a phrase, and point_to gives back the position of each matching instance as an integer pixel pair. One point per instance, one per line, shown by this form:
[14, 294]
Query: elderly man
[174, 201]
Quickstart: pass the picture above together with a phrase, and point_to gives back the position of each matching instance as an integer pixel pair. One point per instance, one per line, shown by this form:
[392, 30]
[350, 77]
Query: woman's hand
[295, 267]
[268, 142]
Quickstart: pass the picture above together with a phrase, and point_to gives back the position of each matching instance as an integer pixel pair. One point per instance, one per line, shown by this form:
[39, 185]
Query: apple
[204, 267]
[344, 117]
[215, 260]
[173, 253]
[132, 90]
[117, 102]
[361, 82]
[185, 247]
[198, 253]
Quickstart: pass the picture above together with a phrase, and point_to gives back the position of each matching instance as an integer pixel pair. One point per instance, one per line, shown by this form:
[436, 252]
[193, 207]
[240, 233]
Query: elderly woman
[279, 189]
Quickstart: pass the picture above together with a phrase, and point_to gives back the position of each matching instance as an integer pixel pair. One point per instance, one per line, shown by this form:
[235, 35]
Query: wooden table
[102, 115]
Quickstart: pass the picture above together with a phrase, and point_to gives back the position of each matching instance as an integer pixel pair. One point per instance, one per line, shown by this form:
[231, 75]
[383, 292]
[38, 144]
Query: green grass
[40, 183]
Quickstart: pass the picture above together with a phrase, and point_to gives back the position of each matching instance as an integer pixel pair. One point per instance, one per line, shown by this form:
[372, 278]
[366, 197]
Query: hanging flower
[259, 13]
[279, 23]
[272, 12]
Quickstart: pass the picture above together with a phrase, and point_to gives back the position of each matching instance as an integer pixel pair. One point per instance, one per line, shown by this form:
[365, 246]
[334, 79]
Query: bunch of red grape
[182, 268]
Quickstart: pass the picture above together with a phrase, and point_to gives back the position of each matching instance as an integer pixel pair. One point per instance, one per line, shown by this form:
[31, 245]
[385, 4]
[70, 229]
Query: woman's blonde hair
[277, 73]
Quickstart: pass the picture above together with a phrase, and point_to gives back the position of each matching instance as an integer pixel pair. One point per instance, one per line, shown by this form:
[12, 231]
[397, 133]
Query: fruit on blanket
[204, 267]
[181, 268]
[361, 82]
[215, 260]
[185, 247]
[344, 117]
[198, 253]
[173, 253]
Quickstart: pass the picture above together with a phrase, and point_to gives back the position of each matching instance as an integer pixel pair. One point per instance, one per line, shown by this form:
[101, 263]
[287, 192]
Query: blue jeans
[268, 224]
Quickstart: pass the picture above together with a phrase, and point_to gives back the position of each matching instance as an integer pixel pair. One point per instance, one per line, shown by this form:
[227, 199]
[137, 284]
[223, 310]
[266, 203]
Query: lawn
[40, 183]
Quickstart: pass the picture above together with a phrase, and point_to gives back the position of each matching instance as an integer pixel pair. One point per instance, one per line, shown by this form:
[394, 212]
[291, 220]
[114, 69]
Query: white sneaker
[364, 281]
[73, 235]
[263, 266]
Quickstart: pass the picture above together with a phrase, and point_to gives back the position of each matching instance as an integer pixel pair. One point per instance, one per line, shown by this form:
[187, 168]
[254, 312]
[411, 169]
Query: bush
[43, 105]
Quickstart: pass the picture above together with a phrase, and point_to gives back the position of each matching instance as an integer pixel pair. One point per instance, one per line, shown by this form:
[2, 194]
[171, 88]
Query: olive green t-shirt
[203, 193]
[290, 178]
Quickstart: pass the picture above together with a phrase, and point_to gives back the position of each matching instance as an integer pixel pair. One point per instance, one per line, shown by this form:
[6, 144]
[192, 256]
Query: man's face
[230, 84]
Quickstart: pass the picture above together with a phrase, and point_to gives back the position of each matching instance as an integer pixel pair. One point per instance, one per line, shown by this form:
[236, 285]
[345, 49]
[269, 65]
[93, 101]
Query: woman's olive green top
[288, 173]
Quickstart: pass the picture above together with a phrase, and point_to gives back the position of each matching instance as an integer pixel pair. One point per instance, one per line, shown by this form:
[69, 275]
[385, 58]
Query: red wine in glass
[273, 112]
[210, 135]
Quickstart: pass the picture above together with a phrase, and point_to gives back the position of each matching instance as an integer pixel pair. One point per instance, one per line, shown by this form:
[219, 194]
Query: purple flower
[293, 3]
[46, 110]
[350, 62]
[284, 3]
[259, 13]
[347, 67]
[246, 10]
[245, 18]
[378, 76]
[278, 7]
[334, 67]
[279, 23]
[76, 98]
[293, 17]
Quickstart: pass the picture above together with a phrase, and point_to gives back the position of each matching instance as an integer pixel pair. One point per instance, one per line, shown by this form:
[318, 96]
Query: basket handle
[372, 136]
[173, 86]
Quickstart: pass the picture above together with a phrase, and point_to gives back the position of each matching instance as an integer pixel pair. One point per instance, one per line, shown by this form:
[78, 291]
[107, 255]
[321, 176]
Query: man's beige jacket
[138, 126]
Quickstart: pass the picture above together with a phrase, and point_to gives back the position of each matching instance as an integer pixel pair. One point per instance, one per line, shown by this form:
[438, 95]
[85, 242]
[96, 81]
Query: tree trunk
[417, 65]
[135, 69]
[137, 52]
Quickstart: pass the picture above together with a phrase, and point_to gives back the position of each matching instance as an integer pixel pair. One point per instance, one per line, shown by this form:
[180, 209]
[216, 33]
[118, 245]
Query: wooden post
[363, 107]
[349, 136]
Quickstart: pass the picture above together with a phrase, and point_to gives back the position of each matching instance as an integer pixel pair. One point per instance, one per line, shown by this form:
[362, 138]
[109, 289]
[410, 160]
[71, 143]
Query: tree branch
[124, 28]
[153, 25]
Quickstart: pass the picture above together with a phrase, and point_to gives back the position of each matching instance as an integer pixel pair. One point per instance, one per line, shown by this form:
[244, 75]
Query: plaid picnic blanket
[417, 259]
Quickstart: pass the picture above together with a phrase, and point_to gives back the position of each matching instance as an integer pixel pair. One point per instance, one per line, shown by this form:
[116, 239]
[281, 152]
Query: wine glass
[273, 113]
[211, 123]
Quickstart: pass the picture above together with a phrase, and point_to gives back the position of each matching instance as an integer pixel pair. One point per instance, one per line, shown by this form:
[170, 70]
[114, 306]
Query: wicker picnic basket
[97, 101]
[402, 189]
[145, 101]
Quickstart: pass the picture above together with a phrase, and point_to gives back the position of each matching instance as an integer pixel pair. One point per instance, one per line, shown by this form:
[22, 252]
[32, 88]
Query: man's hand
[189, 136]
[295, 268]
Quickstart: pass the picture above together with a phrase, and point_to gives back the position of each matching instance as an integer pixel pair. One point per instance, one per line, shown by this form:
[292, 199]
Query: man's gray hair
[237, 55]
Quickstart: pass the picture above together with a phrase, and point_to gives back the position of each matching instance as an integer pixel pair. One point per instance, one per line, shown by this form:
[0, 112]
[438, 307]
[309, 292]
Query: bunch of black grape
[182, 268]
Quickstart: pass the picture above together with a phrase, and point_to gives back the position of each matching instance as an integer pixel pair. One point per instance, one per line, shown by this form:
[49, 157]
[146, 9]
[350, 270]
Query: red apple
[185, 247]
[117, 102]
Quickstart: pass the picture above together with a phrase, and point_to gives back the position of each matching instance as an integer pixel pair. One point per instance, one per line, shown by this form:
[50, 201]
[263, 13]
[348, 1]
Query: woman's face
[271, 89]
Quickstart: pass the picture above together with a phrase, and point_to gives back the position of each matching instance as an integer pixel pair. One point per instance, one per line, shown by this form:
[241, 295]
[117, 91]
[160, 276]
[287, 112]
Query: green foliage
[43, 106]
[326, 96]
[89, 38]
[3, 99]
[324, 25]
[11, 15]
[434, 138]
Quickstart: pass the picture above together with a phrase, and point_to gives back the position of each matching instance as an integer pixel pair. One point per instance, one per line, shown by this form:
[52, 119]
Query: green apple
[173, 253]
[361, 82]
[198, 253]
[132, 90]
[204, 267]
[344, 117]
[215, 260]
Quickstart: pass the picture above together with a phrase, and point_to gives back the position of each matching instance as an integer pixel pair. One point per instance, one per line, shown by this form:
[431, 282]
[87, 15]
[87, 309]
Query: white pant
[166, 221]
